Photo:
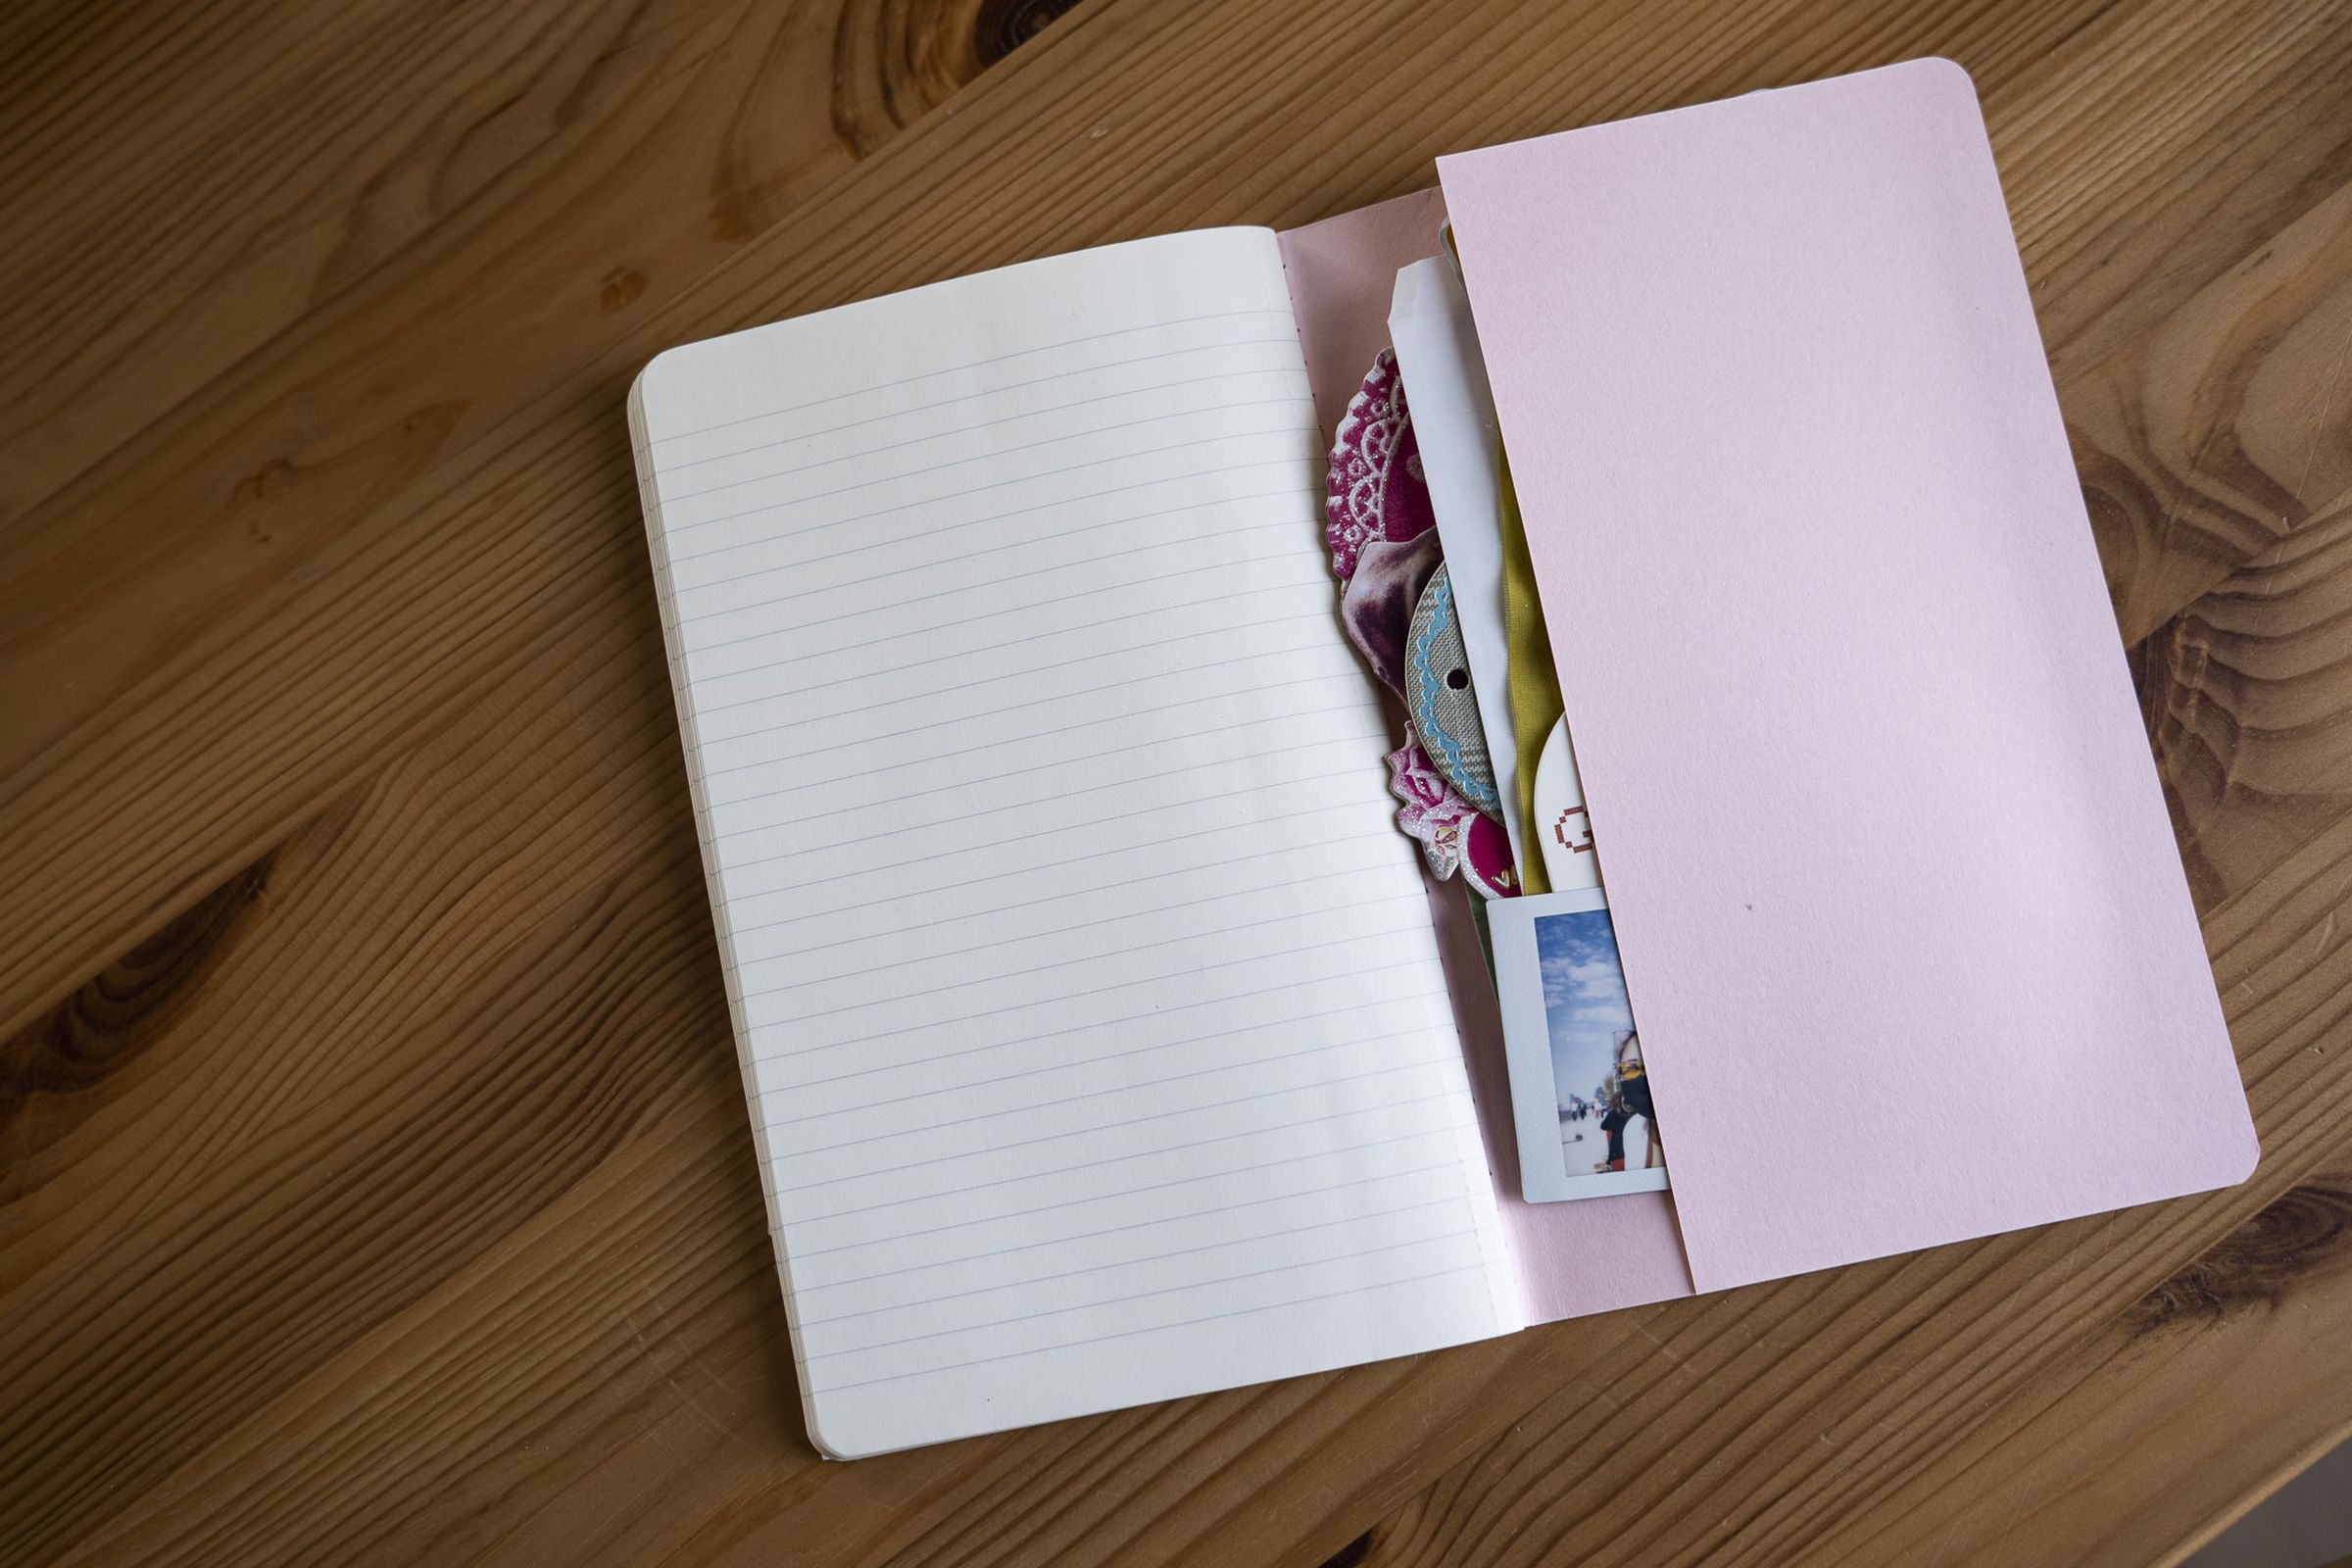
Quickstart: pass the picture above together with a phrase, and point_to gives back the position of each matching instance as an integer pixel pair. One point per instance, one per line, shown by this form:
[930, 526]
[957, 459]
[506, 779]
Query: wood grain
[373, 1184]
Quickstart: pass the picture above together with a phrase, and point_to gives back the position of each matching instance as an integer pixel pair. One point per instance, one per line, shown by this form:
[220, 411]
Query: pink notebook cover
[1899, 905]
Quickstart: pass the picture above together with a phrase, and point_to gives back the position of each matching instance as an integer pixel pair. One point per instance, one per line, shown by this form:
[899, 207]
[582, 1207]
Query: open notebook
[1102, 1036]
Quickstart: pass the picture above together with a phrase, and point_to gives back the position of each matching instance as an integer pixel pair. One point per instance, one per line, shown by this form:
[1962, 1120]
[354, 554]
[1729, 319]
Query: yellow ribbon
[1535, 682]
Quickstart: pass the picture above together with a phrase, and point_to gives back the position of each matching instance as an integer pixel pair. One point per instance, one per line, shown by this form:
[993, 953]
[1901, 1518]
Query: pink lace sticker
[1384, 548]
[1375, 490]
[1450, 830]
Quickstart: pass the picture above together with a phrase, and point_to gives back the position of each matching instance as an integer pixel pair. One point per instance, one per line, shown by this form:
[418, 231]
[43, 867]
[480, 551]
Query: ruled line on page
[1033, 610]
[769, 766]
[1047, 1172]
[1363, 839]
[1197, 1151]
[963, 526]
[1254, 1202]
[1071, 561]
[1159, 481]
[806, 1084]
[763, 1090]
[1074, 995]
[833, 399]
[774, 1122]
[1181, 800]
[1190, 444]
[772, 694]
[1035, 734]
[1094, 956]
[1092, 1127]
[1129, 750]
[1041, 833]
[1233, 889]
[1095, 855]
[1064, 695]
[1135, 914]
[1125, 1334]
[1195, 1179]
[1204, 1110]
[1118, 817]
[1069, 1060]
[899, 416]
[1129, 1262]
[934, 561]
[1245, 1251]
[931, 437]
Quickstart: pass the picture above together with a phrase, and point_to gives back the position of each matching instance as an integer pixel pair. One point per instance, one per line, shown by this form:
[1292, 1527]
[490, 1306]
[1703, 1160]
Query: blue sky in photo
[1584, 997]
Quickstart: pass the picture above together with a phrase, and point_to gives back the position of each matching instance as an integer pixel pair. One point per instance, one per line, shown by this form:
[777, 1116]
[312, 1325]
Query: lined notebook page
[1092, 1023]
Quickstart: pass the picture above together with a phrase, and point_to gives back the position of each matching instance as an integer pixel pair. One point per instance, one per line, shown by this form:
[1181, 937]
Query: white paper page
[1094, 1026]
[1453, 416]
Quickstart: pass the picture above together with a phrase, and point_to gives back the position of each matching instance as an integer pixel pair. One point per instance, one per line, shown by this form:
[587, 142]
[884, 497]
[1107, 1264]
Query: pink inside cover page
[1573, 1259]
[1900, 911]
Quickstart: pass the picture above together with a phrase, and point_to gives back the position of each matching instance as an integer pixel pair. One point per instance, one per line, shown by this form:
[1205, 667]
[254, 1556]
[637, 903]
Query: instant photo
[1580, 1093]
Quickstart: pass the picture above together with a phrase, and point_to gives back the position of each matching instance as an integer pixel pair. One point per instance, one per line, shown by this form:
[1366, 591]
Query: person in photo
[1626, 1091]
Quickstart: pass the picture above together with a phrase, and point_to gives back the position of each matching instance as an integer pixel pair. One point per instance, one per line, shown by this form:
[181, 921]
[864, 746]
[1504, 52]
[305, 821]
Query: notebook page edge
[650, 502]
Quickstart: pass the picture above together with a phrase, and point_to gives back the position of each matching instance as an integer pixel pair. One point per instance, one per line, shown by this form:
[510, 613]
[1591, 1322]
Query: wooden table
[374, 1183]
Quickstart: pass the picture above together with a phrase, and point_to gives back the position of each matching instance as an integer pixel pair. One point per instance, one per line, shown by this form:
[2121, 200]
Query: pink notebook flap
[1900, 911]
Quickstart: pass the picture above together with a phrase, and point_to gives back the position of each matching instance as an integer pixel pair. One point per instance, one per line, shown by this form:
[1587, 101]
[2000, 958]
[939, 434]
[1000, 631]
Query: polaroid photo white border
[1544, 1173]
